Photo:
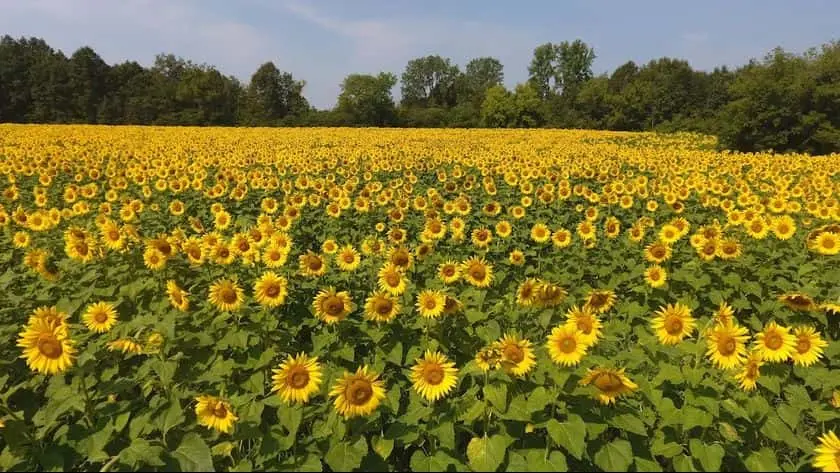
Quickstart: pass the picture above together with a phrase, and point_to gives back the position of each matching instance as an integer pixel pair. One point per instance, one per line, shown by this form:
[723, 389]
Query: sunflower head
[297, 379]
[434, 376]
[215, 413]
[518, 357]
[609, 384]
[358, 394]
[331, 306]
[100, 317]
[673, 323]
[566, 346]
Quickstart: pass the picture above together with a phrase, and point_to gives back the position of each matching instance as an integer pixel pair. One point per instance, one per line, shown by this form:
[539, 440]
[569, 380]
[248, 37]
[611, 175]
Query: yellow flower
[390, 278]
[798, 301]
[656, 276]
[434, 376]
[297, 378]
[517, 355]
[809, 346]
[827, 243]
[331, 306]
[673, 323]
[609, 383]
[477, 272]
[727, 345]
[47, 348]
[566, 346]
[359, 393]
[775, 343]
[348, 259]
[489, 358]
[177, 296]
[540, 233]
[749, 374]
[380, 307]
[226, 295]
[600, 300]
[827, 455]
[125, 345]
[586, 323]
[100, 317]
[312, 265]
[154, 259]
[215, 413]
[448, 272]
[270, 290]
[430, 303]
[516, 258]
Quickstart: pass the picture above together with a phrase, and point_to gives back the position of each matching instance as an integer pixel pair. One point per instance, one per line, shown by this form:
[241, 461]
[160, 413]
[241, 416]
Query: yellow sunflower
[586, 323]
[47, 348]
[449, 272]
[827, 455]
[125, 345]
[749, 373]
[154, 259]
[348, 258]
[727, 345]
[656, 276]
[540, 233]
[517, 355]
[600, 300]
[827, 243]
[477, 272]
[775, 343]
[226, 295]
[390, 278]
[657, 252]
[809, 346]
[381, 307]
[215, 413]
[673, 323]
[297, 378]
[610, 384]
[434, 376]
[270, 289]
[561, 238]
[430, 303]
[489, 358]
[566, 346]
[312, 265]
[359, 393]
[798, 301]
[177, 296]
[100, 317]
[331, 306]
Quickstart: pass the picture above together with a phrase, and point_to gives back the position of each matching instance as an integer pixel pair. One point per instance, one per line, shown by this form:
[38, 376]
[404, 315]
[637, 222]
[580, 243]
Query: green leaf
[684, 463]
[538, 399]
[535, 460]
[710, 456]
[762, 460]
[382, 446]
[693, 417]
[615, 456]
[643, 464]
[570, 434]
[310, 462]
[496, 393]
[193, 454]
[290, 418]
[172, 416]
[140, 452]
[630, 423]
[486, 454]
[344, 456]
[440, 461]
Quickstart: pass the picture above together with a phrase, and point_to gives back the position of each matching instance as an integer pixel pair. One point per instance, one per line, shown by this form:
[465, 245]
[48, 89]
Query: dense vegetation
[782, 102]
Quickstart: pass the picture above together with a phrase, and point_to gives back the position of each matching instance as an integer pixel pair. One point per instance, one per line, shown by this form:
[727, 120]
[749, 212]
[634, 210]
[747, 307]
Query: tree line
[782, 102]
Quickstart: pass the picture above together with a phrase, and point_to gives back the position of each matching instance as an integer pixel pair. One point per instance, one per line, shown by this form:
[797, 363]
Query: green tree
[272, 95]
[498, 109]
[429, 82]
[88, 80]
[366, 99]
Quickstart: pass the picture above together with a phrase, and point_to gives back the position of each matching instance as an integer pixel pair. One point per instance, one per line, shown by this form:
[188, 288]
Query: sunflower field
[380, 300]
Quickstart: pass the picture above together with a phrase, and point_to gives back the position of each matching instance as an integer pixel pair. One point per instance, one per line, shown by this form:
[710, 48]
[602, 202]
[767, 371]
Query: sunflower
[451, 306]
[827, 243]
[749, 373]
[331, 306]
[827, 455]
[51, 316]
[503, 228]
[831, 308]
[270, 289]
[561, 238]
[758, 228]
[390, 278]
[547, 294]
[727, 345]
[783, 227]
[673, 323]
[297, 378]
[809, 346]
[359, 393]
[586, 323]
[434, 376]
[540, 233]
[381, 307]
[154, 259]
[775, 343]
[798, 301]
[215, 413]
[400, 257]
[449, 272]
[610, 384]
[728, 248]
[517, 355]
[657, 252]
[488, 358]
[481, 238]
[329, 246]
[477, 272]
[47, 348]
[226, 295]
[430, 303]
[100, 317]
[566, 345]
[177, 296]
[656, 276]
[312, 265]
[527, 292]
[125, 345]
[724, 314]
[348, 258]
[20, 240]
[600, 300]
[516, 258]
[274, 256]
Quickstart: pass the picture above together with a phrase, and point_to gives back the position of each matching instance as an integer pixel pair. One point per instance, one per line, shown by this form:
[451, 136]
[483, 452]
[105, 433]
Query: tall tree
[574, 65]
[272, 95]
[480, 74]
[542, 72]
[88, 80]
[366, 99]
[429, 82]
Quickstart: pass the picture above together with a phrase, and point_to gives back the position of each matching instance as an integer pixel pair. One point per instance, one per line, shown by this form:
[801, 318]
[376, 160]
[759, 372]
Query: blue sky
[321, 41]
